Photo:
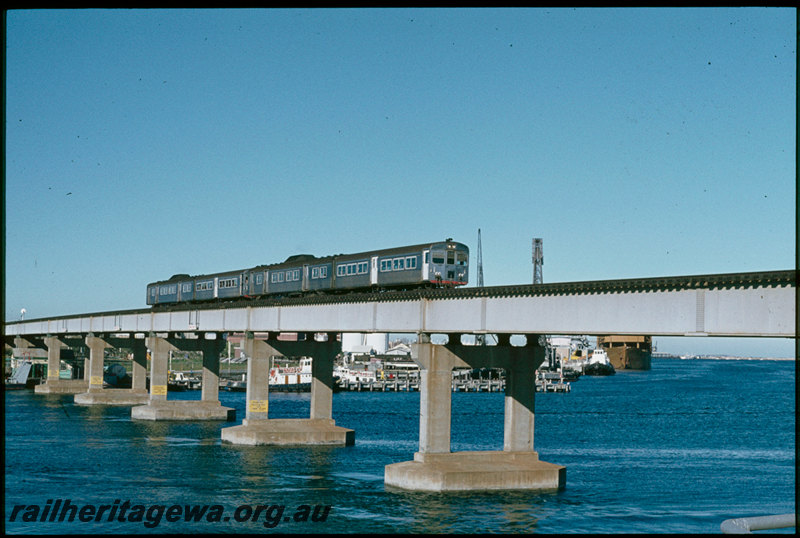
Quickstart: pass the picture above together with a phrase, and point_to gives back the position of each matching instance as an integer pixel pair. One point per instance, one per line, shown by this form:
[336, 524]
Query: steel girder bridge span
[743, 304]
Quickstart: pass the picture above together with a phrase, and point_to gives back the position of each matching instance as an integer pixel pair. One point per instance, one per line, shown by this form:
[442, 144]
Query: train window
[168, 290]
[363, 268]
[411, 262]
[323, 272]
[438, 257]
[315, 272]
[451, 257]
[259, 278]
[462, 258]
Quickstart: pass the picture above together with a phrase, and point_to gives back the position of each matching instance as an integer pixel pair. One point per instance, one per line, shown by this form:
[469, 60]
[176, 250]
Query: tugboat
[599, 364]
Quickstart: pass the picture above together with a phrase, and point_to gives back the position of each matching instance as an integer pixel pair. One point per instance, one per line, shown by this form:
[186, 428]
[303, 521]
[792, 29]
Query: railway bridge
[740, 304]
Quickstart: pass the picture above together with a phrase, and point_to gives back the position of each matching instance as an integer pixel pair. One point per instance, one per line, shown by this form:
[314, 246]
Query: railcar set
[439, 264]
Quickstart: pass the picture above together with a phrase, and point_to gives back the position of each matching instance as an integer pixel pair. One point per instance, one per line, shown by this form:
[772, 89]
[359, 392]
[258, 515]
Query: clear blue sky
[635, 142]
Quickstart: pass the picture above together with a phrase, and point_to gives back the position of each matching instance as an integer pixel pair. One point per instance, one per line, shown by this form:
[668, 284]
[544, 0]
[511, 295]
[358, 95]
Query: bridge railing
[746, 525]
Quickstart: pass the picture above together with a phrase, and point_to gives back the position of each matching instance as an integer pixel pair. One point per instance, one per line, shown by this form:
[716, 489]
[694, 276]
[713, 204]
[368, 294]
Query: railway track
[629, 285]
[717, 281]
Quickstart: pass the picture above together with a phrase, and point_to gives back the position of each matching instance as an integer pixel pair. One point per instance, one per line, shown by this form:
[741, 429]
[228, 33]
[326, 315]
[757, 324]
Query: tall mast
[538, 260]
[480, 261]
[480, 339]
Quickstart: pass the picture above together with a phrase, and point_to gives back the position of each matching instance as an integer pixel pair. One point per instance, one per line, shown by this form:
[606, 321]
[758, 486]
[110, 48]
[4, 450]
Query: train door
[426, 259]
[304, 285]
[245, 285]
[373, 274]
[216, 287]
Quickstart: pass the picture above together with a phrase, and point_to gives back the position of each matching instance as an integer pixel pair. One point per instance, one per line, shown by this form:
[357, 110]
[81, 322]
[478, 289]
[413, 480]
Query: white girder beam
[760, 311]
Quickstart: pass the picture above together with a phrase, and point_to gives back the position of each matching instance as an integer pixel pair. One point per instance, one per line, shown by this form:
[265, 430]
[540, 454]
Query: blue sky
[635, 142]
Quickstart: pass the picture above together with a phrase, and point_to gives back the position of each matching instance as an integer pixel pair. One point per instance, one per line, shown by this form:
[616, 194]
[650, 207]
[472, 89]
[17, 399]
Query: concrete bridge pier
[517, 466]
[159, 407]
[319, 429]
[54, 384]
[97, 395]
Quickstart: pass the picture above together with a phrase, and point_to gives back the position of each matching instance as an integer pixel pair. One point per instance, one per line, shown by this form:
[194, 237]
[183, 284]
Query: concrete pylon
[159, 407]
[97, 395]
[517, 466]
[319, 429]
[54, 384]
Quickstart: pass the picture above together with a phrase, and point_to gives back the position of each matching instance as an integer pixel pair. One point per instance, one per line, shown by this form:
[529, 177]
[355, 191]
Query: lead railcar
[440, 264]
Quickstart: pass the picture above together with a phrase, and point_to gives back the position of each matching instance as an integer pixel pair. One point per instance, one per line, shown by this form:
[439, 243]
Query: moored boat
[627, 352]
[598, 364]
[282, 378]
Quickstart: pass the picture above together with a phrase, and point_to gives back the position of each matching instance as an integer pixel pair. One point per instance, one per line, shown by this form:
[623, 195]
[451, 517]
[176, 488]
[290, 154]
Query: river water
[676, 449]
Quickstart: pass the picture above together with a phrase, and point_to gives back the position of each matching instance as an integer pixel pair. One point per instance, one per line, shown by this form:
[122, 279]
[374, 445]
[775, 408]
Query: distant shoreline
[722, 358]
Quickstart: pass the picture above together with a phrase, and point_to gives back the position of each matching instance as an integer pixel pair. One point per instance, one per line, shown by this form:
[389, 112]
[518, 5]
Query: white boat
[282, 378]
[599, 364]
[291, 378]
[354, 375]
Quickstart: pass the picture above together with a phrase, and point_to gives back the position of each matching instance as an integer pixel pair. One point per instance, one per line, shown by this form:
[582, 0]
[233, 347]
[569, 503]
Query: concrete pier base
[113, 397]
[517, 466]
[319, 429]
[473, 471]
[293, 431]
[62, 386]
[183, 410]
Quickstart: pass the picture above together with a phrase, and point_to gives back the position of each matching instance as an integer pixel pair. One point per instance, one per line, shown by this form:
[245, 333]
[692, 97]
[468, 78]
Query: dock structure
[517, 466]
[411, 384]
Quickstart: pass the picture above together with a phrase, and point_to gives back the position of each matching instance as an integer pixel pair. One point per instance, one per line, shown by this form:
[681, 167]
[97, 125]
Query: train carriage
[448, 264]
[439, 264]
[177, 289]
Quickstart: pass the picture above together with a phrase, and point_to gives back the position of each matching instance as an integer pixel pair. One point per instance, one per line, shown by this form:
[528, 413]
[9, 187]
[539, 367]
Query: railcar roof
[300, 259]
